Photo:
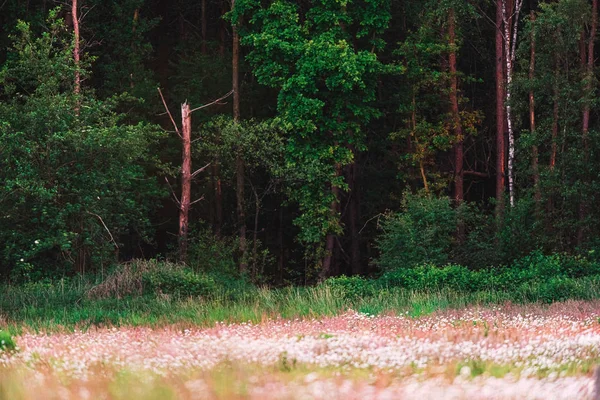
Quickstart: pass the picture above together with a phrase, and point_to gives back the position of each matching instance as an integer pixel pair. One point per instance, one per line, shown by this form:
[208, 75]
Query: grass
[65, 306]
[122, 299]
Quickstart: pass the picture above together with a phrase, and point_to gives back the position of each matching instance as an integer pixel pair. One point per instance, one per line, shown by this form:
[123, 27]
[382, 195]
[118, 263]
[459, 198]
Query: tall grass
[68, 304]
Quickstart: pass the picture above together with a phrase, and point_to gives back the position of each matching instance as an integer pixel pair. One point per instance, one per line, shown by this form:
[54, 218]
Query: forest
[299, 199]
[295, 140]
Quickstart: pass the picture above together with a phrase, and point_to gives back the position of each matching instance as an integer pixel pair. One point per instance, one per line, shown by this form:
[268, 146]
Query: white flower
[22, 260]
[37, 242]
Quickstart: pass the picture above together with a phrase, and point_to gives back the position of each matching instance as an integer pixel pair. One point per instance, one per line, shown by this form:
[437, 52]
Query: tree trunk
[511, 28]
[239, 161]
[589, 72]
[354, 217]
[457, 125]
[554, 145]
[222, 30]
[76, 54]
[255, 231]
[534, 150]
[203, 27]
[186, 180]
[500, 116]
[281, 255]
[218, 191]
[330, 239]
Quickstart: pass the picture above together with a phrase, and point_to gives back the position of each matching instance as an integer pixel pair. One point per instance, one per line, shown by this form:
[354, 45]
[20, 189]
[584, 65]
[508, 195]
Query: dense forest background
[294, 140]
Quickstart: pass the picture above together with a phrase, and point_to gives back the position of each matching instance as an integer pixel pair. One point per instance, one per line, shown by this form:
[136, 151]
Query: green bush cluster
[179, 282]
[536, 277]
[6, 342]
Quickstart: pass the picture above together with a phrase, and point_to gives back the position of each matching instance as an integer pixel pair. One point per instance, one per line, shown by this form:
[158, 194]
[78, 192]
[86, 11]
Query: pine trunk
[76, 54]
[330, 239]
[589, 77]
[186, 180]
[534, 149]
[239, 161]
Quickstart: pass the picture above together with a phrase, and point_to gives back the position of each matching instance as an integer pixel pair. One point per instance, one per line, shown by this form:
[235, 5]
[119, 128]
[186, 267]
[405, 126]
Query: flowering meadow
[533, 352]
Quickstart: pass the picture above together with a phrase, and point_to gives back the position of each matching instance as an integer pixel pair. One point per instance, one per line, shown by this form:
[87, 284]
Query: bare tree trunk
[281, 256]
[354, 217]
[534, 150]
[500, 116]
[222, 29]
[554, 146]
[204, 22]
[330, 240]
[134, 24]
[459, 177]
[76, 54]
[511, 25]
[414, 135]
[218, 191]
[239, 161]
[589, 69]
[255, 231]
[186, 180]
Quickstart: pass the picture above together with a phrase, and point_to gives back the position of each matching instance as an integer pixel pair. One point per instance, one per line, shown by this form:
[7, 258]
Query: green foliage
[424, 104]
[421, 233]
[179, 282]
[6, 342]
[536, 277]
[208, 253]
[121, 29]
[323, 62]
[74, 177]
[350, 287]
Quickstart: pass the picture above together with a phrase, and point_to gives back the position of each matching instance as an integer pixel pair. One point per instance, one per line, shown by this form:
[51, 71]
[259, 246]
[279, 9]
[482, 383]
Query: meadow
[347, 338]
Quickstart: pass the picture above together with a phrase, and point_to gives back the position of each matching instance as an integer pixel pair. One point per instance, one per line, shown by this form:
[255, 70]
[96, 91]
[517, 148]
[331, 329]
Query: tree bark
[330, 239]
[589, 72]
[459, 177]
[76, 54]
[457, 126]
[203, 27]
[500, 116]
[354, 217]
[222, 30]
[511, 28]
[239, 161]
[281, 255]
[186, 180]
[534, 150]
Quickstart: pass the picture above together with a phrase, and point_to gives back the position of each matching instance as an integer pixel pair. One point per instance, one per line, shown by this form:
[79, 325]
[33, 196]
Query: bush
[6, 342]
[351, 287]
[179, 282]
[537, 276]
[421, 234]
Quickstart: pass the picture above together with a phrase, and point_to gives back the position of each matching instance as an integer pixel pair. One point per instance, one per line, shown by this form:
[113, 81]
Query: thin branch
[196, 201]
[173, 192]
[169, 112]
[200, 170]
[369, 220]
[105, 227]
[214, 102]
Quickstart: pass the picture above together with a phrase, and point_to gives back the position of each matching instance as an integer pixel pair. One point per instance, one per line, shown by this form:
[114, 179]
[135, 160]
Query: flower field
[493, 353]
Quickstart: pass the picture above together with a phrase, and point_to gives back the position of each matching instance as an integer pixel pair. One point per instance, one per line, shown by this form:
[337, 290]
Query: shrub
[179, 282]
[6, 342]
[554, 277]
[351, 287]
[421, 233]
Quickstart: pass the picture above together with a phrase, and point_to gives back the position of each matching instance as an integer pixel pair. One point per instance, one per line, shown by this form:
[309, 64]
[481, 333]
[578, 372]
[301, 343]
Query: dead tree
[185, 202]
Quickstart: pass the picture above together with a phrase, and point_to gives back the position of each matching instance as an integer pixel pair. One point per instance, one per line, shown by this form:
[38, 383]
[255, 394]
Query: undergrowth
[152, 293]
